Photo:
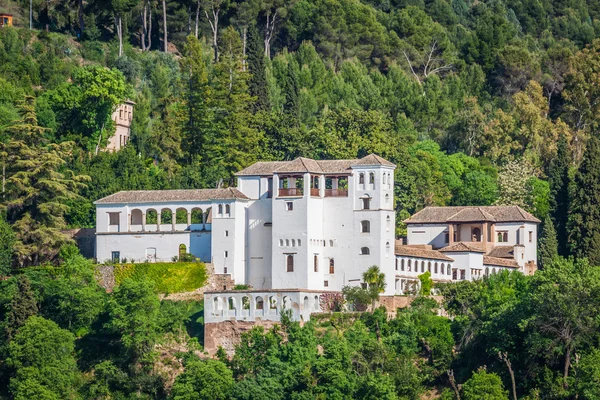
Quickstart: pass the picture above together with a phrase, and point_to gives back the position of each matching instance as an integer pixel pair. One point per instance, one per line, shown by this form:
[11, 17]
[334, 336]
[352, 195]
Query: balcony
[291, 192]
[314, 192]
[336, 192]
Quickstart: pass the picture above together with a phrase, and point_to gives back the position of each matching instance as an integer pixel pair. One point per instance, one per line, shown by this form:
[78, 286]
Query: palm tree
[375, 280]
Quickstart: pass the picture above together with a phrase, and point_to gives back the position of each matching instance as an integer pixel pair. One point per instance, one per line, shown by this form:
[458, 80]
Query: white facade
[303, 224]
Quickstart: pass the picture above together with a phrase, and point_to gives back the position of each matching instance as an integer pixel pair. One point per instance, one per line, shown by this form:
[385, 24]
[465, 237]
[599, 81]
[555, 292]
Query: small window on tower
[361, 178]
[366, 203]
[326, 283]
[331, 266]
[289, 205]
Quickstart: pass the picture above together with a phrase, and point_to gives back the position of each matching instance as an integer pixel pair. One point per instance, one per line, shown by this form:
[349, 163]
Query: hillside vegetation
[476, 102]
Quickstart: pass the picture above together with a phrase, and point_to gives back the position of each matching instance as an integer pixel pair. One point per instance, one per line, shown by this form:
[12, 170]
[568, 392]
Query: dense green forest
[476, 102]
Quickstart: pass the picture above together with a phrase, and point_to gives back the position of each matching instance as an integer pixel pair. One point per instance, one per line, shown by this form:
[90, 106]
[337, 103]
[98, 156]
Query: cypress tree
[558, 178]
[548, 249]
[584, 222]
[7, 242]
[292, 91]
[257, 84]
[22, 306]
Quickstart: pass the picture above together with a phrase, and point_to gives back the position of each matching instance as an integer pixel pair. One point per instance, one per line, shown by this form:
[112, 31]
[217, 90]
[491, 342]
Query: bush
[167, 277]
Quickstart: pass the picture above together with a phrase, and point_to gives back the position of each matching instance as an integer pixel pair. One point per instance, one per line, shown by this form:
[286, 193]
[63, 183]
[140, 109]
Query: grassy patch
[168, 277]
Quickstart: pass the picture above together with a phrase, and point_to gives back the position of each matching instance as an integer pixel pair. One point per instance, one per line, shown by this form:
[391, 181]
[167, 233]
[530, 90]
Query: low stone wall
[393, 303]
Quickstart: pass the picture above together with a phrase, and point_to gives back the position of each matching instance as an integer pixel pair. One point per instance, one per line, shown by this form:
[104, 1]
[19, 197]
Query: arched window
[387, 249]
[366, 203]
[259, 303]
[331, 266]
[299, 243]
[287, 242]
[316, 263]
[364, 251]
[384, 178]
[293, 242]
[449, 270]
[365, 226]
[387, 199]
[182, 251]
[280, 242]
[435, 268]
[372, 178]
[331, 243]
[389, 180]
[220, 209]
[227, 209]
[388, 223]
[476, 235]
[429, 266]
[487, 271]
[409, 265]
[402, 265]
[361, 178]
[396, 264]
[290, 263]
[422, 266]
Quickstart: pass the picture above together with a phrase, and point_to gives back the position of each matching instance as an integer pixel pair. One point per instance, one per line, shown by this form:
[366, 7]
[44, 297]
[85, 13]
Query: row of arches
[386, 179]
[435, 267]
[290, 242]
[251, 305]
[159, 216]
[322, 243]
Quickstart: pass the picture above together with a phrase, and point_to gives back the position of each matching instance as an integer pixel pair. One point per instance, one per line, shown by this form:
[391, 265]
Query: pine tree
[257, 83]
[22, 306]
[558, 178]
[584, 222]
[548, 249]
[7, 243]
[38, 188]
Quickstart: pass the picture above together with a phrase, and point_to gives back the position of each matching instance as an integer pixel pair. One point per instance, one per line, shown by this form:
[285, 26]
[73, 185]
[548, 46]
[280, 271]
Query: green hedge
[168, 277]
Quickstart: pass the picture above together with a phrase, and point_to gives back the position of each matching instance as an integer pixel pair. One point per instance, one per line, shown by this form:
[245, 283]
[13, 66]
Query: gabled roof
[308, 165]
[441, 215]
[163, 196]
[419, 252]
[461, 247]
[501, 262]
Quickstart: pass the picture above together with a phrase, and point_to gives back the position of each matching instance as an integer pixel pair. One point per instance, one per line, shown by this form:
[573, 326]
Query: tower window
[331, 266]
[289, 263]
[316, 263]
[361, 178]
[366, 203]
[365, 226]
[364, 251]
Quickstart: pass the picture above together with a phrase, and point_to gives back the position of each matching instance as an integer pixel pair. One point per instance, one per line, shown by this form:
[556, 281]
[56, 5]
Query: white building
[466, 243]
[301, 224]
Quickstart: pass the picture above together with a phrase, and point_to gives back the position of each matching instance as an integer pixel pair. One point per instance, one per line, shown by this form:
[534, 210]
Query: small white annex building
[466, 243]
[301, 224]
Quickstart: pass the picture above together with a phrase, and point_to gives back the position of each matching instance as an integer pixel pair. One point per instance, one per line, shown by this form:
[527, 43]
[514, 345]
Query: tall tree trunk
[165, 41]
[504, 357]
[197, 19]
[269, 30]
[149, 46]
[80, 17]
[30, 14]
[244, 40]
[119, 23]
[144, 26]
[566, 367]
[214, 26]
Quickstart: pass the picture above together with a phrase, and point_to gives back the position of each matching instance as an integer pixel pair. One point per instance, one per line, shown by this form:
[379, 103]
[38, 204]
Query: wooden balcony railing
[291, 192]
[336, 192]
[314, 192]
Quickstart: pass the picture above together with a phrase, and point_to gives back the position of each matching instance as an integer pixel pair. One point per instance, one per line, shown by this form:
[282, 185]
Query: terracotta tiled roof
[461, 247]
[373, 159]
[419, 252]
[307, 165]
[500, 262]
[162, 196]
[502, 252]
[440, 215]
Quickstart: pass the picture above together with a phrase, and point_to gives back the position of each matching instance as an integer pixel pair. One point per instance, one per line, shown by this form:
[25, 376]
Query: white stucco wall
[433, 234]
